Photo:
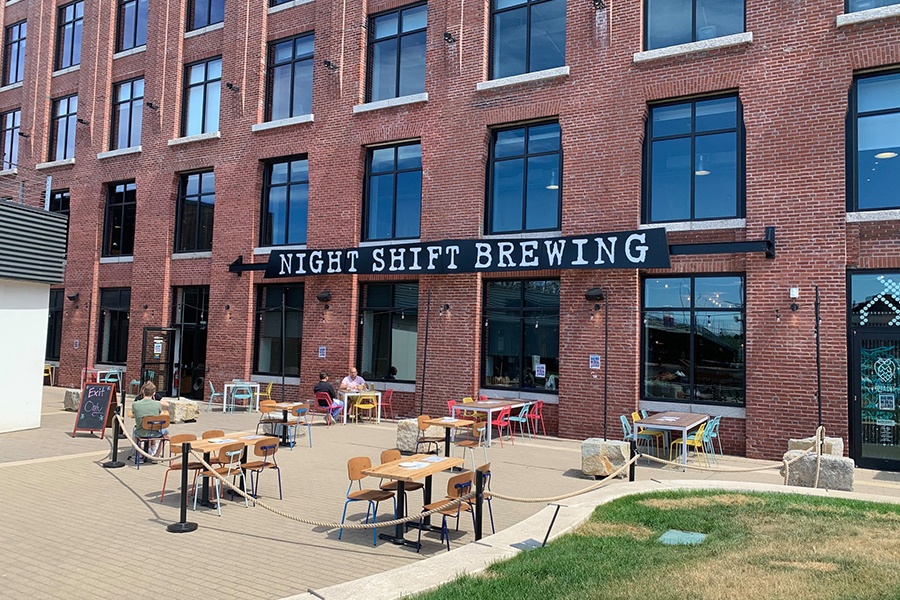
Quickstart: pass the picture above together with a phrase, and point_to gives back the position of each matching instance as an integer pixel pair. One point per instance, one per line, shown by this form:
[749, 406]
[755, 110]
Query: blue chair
[355, 468]
[302, 414]
[240, 392]
[213, 394]
[712, 433]
[522, 418]
[628, 435]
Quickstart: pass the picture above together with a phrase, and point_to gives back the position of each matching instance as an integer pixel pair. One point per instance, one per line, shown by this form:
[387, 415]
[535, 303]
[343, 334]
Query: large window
[68, 35]
[285, 203]
[54, 325]
[393, 192]
[397, 53]
[112, 345]
[279, 329]
[127, 114]
[59, 203]
[521, 324]
[693, 164]
[875, 139]
[62, 128]
[527, 36]
[202, 89]
[132, 24]
[693, 338]
[9, 131]
[202, 13]
[194, 221]
[671, 22]
[14, 57]
[523, 181]
[118, 239]
[289, 89]
[388, 324]
[858, 5]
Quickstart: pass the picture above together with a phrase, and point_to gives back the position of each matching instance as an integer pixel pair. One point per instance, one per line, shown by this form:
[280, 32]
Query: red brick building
[181, 136]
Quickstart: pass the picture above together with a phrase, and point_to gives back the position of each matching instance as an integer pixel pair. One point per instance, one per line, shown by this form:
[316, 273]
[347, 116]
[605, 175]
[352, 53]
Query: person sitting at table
[324, 386]
[148, 406]
[353, 382]
[392, 373]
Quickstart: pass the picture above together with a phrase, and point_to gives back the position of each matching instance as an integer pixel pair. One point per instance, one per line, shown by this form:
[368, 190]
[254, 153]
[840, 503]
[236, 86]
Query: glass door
[875, 387]
[157, 358]
[191, 310]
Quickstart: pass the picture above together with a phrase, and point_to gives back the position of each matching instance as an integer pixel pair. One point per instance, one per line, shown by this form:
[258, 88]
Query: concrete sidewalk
[71, 528]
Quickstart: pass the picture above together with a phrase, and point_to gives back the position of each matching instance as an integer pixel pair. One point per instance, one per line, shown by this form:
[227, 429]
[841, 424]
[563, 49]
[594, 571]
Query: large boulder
[835, 472]
[600, 457]
[182, 409]
[71, 400]
[408, 433]
[833, 446]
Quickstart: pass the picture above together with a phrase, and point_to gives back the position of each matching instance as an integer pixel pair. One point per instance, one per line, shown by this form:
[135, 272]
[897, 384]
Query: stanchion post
[115, 463]
[479, 503]
[182, 526]
[633, 453]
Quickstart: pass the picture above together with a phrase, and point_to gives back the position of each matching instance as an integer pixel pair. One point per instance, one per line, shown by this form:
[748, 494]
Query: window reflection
[877, 133]
[875, 299]
[672, 22]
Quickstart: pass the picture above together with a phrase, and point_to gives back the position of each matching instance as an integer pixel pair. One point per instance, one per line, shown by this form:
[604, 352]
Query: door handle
[855, 399]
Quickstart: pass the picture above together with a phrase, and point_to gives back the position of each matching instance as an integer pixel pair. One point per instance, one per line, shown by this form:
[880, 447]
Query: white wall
[23, 341]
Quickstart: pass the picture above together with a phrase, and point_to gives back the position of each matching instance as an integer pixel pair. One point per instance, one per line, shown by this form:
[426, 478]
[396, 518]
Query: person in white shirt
[353, 382]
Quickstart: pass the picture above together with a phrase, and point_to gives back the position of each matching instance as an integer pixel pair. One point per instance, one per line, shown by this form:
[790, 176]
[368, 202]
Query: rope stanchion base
[113, 464]
[181, 527]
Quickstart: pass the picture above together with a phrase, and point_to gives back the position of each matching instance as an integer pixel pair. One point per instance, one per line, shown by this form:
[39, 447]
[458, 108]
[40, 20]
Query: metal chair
[387, 403]
[391, 485]
[475, 441]
[535, 415]
[301, 412]
[268, 415]
[324, 405]
[212, 395]
[175, 443]
[522, 419]
[427, 440]
[457, 486]
[355, 468]
[155, 426]
[230, 458]
[265, 449]
[367, 402]
[502, 420]
[243, 393]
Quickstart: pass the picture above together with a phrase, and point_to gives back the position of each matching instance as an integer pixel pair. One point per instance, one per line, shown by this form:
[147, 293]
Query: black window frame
[181, 216]
[270, 73]
[694, 27]
[135, 107]
[63, 122]
[206, 82]
[692, 395]
[14, 52]
[69, 26]
[489, 186]
[396, 171]
[140, 9]
[852, 160]
[262, 311]
[118, 200]
[371, 42]
[740, 162]
[111, 302]
[10, 123]
[192, 5]
[266, 191]
[492, 36]
[848, 7]
[528, 317]
[396, 310]
[53, 347]
[60, 202]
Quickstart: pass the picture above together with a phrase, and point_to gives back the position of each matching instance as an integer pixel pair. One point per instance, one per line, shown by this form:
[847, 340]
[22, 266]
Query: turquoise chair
[711, 433]
[629, 435]
[213, 394]
[242, 393]
[522, 418]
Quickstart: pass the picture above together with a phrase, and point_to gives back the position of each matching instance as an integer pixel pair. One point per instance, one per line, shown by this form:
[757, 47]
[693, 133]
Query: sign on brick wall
[644, 249]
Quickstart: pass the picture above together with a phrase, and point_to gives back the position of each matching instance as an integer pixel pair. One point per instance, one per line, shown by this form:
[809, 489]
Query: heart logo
[885, 369]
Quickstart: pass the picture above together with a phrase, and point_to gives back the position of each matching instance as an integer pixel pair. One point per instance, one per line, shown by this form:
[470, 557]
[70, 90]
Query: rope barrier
[590, 488]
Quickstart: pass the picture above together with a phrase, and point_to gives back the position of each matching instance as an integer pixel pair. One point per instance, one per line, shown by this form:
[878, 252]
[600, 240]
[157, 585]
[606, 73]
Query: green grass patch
[758, 547]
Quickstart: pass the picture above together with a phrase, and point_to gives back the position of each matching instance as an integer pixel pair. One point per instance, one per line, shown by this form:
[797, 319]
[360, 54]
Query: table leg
[684, 451]
[489, 433]
[399, 537]
[284, 428]
[378, 411]
[447, 442]
[204, 490]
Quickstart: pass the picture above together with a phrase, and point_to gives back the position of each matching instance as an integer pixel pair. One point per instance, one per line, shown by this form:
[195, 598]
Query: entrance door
[875, 405]
[157, 358]
[191, 309]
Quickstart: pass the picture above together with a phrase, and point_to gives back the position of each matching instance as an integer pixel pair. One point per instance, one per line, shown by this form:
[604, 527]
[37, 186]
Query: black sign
[96, 399]
[643, 249]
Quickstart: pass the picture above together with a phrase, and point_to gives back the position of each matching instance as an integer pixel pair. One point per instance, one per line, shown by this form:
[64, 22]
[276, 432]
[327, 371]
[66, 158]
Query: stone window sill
[699, 225]
[391, 102]
[6, 172]
[189, 255]
[202, 30]
[269, 249]
[11, 86]
[282, 122]
[725, 41]
[545, 75]
[55, 163]
[212, 135]
[130, 52]
[71, 69]
[119, 152]
[873, 215]
[111, 260]
[866, 16]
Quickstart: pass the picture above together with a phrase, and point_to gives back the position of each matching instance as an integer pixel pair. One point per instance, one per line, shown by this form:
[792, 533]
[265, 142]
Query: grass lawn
[758, 546]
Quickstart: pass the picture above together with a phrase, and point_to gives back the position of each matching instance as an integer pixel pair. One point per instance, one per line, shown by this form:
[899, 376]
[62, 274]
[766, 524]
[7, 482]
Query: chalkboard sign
[96, 399]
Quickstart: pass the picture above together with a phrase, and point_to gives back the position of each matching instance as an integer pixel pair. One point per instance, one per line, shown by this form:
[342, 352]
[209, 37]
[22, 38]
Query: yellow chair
[48, 373]
[658, 436]
[472, 414]
[695, 441]
[266, 395]
[367, 402]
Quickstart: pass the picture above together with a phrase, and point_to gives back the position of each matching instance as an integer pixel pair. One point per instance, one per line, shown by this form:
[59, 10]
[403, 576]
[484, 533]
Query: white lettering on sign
[641, 249]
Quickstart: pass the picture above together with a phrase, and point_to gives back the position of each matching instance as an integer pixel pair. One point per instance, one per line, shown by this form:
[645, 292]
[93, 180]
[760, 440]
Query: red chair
[501, 421]
[387, 401]
[450, 405]
[537, 414]
[325, 406]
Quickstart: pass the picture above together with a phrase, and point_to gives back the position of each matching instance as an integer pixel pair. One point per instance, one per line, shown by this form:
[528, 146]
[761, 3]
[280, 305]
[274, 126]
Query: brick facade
[792, 80]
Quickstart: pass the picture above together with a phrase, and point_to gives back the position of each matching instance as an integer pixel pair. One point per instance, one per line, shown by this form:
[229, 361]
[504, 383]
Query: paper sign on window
[540, 371]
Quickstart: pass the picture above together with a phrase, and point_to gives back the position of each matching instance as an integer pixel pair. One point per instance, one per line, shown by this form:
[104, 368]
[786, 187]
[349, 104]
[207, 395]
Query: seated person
[529, 378]
[148, 406]
[353, 382]
[392, 374]
[324, 386]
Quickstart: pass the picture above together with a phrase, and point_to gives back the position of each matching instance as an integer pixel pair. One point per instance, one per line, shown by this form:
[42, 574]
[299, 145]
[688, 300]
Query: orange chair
[175, 443]
[155, 425]
[355, 468]
[427, 440]
[391, 486]
[265, 449]
[268, 414]
[230, 459]
[475, 441]
[457, 486]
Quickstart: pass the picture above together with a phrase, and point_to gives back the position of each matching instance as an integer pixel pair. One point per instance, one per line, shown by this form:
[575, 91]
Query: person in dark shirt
[324, 386]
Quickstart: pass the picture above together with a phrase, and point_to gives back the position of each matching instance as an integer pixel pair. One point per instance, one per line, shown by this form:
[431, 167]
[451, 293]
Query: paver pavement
[71, 528]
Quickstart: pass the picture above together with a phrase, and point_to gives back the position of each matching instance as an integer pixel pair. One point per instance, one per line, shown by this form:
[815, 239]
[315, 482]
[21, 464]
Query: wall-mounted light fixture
[232, 87]
[227, 307]
[448, 37]
[444, 309]
[794, 294]
[151, 106]
[598, 4]
[24, 135]
[330, 65]
[146, 306]
[83, 121]
[73, 297]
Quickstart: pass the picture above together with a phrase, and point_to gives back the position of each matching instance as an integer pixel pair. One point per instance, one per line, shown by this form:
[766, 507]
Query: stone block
[835, 472]
[598, 456]
[408, 433]
[833, 446]
[182, 410]
[71, 400]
